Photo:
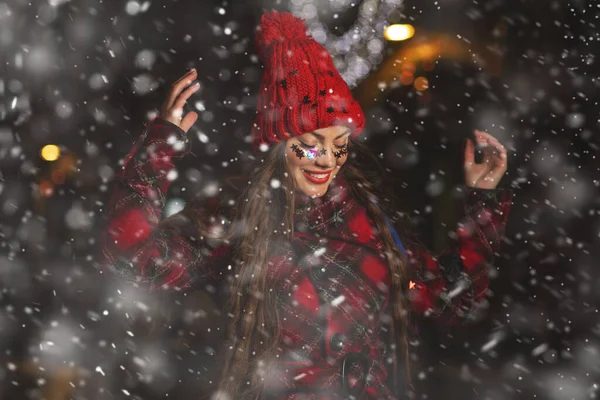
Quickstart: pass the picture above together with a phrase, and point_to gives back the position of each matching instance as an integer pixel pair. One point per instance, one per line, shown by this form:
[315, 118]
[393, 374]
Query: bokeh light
[406, 78]
[399, 32]
[421, 84]
[46, 188]
[50, 152]
[356, 49]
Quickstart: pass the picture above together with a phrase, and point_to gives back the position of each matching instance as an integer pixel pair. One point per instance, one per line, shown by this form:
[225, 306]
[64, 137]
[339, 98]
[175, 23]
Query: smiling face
[315, 158]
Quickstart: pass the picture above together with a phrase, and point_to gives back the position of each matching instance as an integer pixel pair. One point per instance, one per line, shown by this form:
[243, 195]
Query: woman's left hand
[488, 173]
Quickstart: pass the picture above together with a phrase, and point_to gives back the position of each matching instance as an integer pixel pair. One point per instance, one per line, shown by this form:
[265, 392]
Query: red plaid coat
[331, 280]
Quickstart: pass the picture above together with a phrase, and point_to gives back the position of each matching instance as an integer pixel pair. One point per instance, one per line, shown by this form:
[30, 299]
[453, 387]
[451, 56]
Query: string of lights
[359, 50]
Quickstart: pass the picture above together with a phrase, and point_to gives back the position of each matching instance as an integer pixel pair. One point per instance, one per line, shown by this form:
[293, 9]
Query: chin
[318, 193]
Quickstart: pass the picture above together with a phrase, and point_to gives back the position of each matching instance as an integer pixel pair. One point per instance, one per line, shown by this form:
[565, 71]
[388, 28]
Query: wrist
[167, 138]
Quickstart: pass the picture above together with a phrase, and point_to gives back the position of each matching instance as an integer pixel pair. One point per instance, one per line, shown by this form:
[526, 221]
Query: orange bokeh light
[421, 84]
[409, 67]
[46, 188]
[406, 78]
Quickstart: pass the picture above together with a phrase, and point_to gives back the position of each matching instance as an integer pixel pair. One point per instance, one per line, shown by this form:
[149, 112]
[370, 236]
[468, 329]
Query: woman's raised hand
[486, 175]
[181, 90]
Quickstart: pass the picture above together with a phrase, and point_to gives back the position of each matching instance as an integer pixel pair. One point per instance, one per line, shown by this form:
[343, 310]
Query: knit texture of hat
[301, 90]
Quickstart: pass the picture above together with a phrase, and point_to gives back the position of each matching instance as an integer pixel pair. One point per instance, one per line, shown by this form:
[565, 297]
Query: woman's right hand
[181, 90]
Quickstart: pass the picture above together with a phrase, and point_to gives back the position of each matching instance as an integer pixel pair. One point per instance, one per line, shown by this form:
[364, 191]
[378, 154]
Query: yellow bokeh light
[50, 152]
[398, 32]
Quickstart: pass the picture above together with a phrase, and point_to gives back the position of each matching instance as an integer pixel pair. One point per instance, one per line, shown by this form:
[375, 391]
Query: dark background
[86, 75]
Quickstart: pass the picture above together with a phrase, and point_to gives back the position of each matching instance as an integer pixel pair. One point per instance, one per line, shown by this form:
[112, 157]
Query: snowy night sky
[86, 75]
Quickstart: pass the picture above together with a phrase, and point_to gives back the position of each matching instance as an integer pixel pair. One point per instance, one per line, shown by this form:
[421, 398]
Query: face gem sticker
[311, 154]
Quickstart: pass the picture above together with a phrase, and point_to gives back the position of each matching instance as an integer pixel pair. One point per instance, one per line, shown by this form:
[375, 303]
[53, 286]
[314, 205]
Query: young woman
[318, 280]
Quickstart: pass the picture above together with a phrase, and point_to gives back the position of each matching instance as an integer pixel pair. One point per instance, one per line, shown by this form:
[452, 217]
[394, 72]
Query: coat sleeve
[136, 245]
[448, 287]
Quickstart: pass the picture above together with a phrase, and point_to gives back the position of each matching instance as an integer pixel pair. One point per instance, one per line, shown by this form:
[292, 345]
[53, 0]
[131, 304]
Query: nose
[326, 161]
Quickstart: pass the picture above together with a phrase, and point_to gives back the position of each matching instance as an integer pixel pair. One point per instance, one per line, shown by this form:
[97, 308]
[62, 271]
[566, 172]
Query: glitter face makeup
[311, 154]
[341, 152]
[299, 152]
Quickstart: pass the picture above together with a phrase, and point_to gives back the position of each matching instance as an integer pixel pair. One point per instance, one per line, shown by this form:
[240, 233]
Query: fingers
[494, 164]
[176, 88]
[496, 173]
[497, 153]
[487, 141]
[469, 153]
[481, 137]
[189, 120]
[183, 97]
[176, 112]
[179, 94]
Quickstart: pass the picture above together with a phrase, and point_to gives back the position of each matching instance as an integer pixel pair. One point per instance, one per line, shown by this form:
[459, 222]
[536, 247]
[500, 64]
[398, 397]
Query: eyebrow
[347, 131]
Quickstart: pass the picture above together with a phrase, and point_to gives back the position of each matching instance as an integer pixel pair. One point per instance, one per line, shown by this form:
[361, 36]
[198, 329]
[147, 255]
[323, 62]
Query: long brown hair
[265, 216]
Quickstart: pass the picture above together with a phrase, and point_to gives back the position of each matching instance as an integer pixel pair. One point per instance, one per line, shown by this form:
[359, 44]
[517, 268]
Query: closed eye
[307, 146]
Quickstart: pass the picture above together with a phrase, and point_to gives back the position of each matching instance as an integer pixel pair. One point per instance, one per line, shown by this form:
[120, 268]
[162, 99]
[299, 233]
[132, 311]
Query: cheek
[293, 161]
[341, 161]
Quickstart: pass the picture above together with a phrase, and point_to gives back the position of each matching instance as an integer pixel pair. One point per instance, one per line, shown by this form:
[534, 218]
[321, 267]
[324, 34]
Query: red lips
[317, 177]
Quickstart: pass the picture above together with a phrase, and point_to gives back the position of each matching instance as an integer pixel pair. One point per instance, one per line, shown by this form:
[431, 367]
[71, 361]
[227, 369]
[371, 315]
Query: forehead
[330, 132]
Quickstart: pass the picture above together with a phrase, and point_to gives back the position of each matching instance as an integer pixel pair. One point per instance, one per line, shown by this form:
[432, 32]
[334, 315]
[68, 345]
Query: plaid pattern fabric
[449, 286]
[331, 280]
[170, 257]
[332, 287]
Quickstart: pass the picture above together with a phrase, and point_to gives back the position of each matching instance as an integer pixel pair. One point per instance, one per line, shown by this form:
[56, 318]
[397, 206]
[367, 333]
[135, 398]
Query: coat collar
[320, 213]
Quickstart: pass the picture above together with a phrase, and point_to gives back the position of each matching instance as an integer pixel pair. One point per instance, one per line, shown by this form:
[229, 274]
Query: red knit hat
[301, 90]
